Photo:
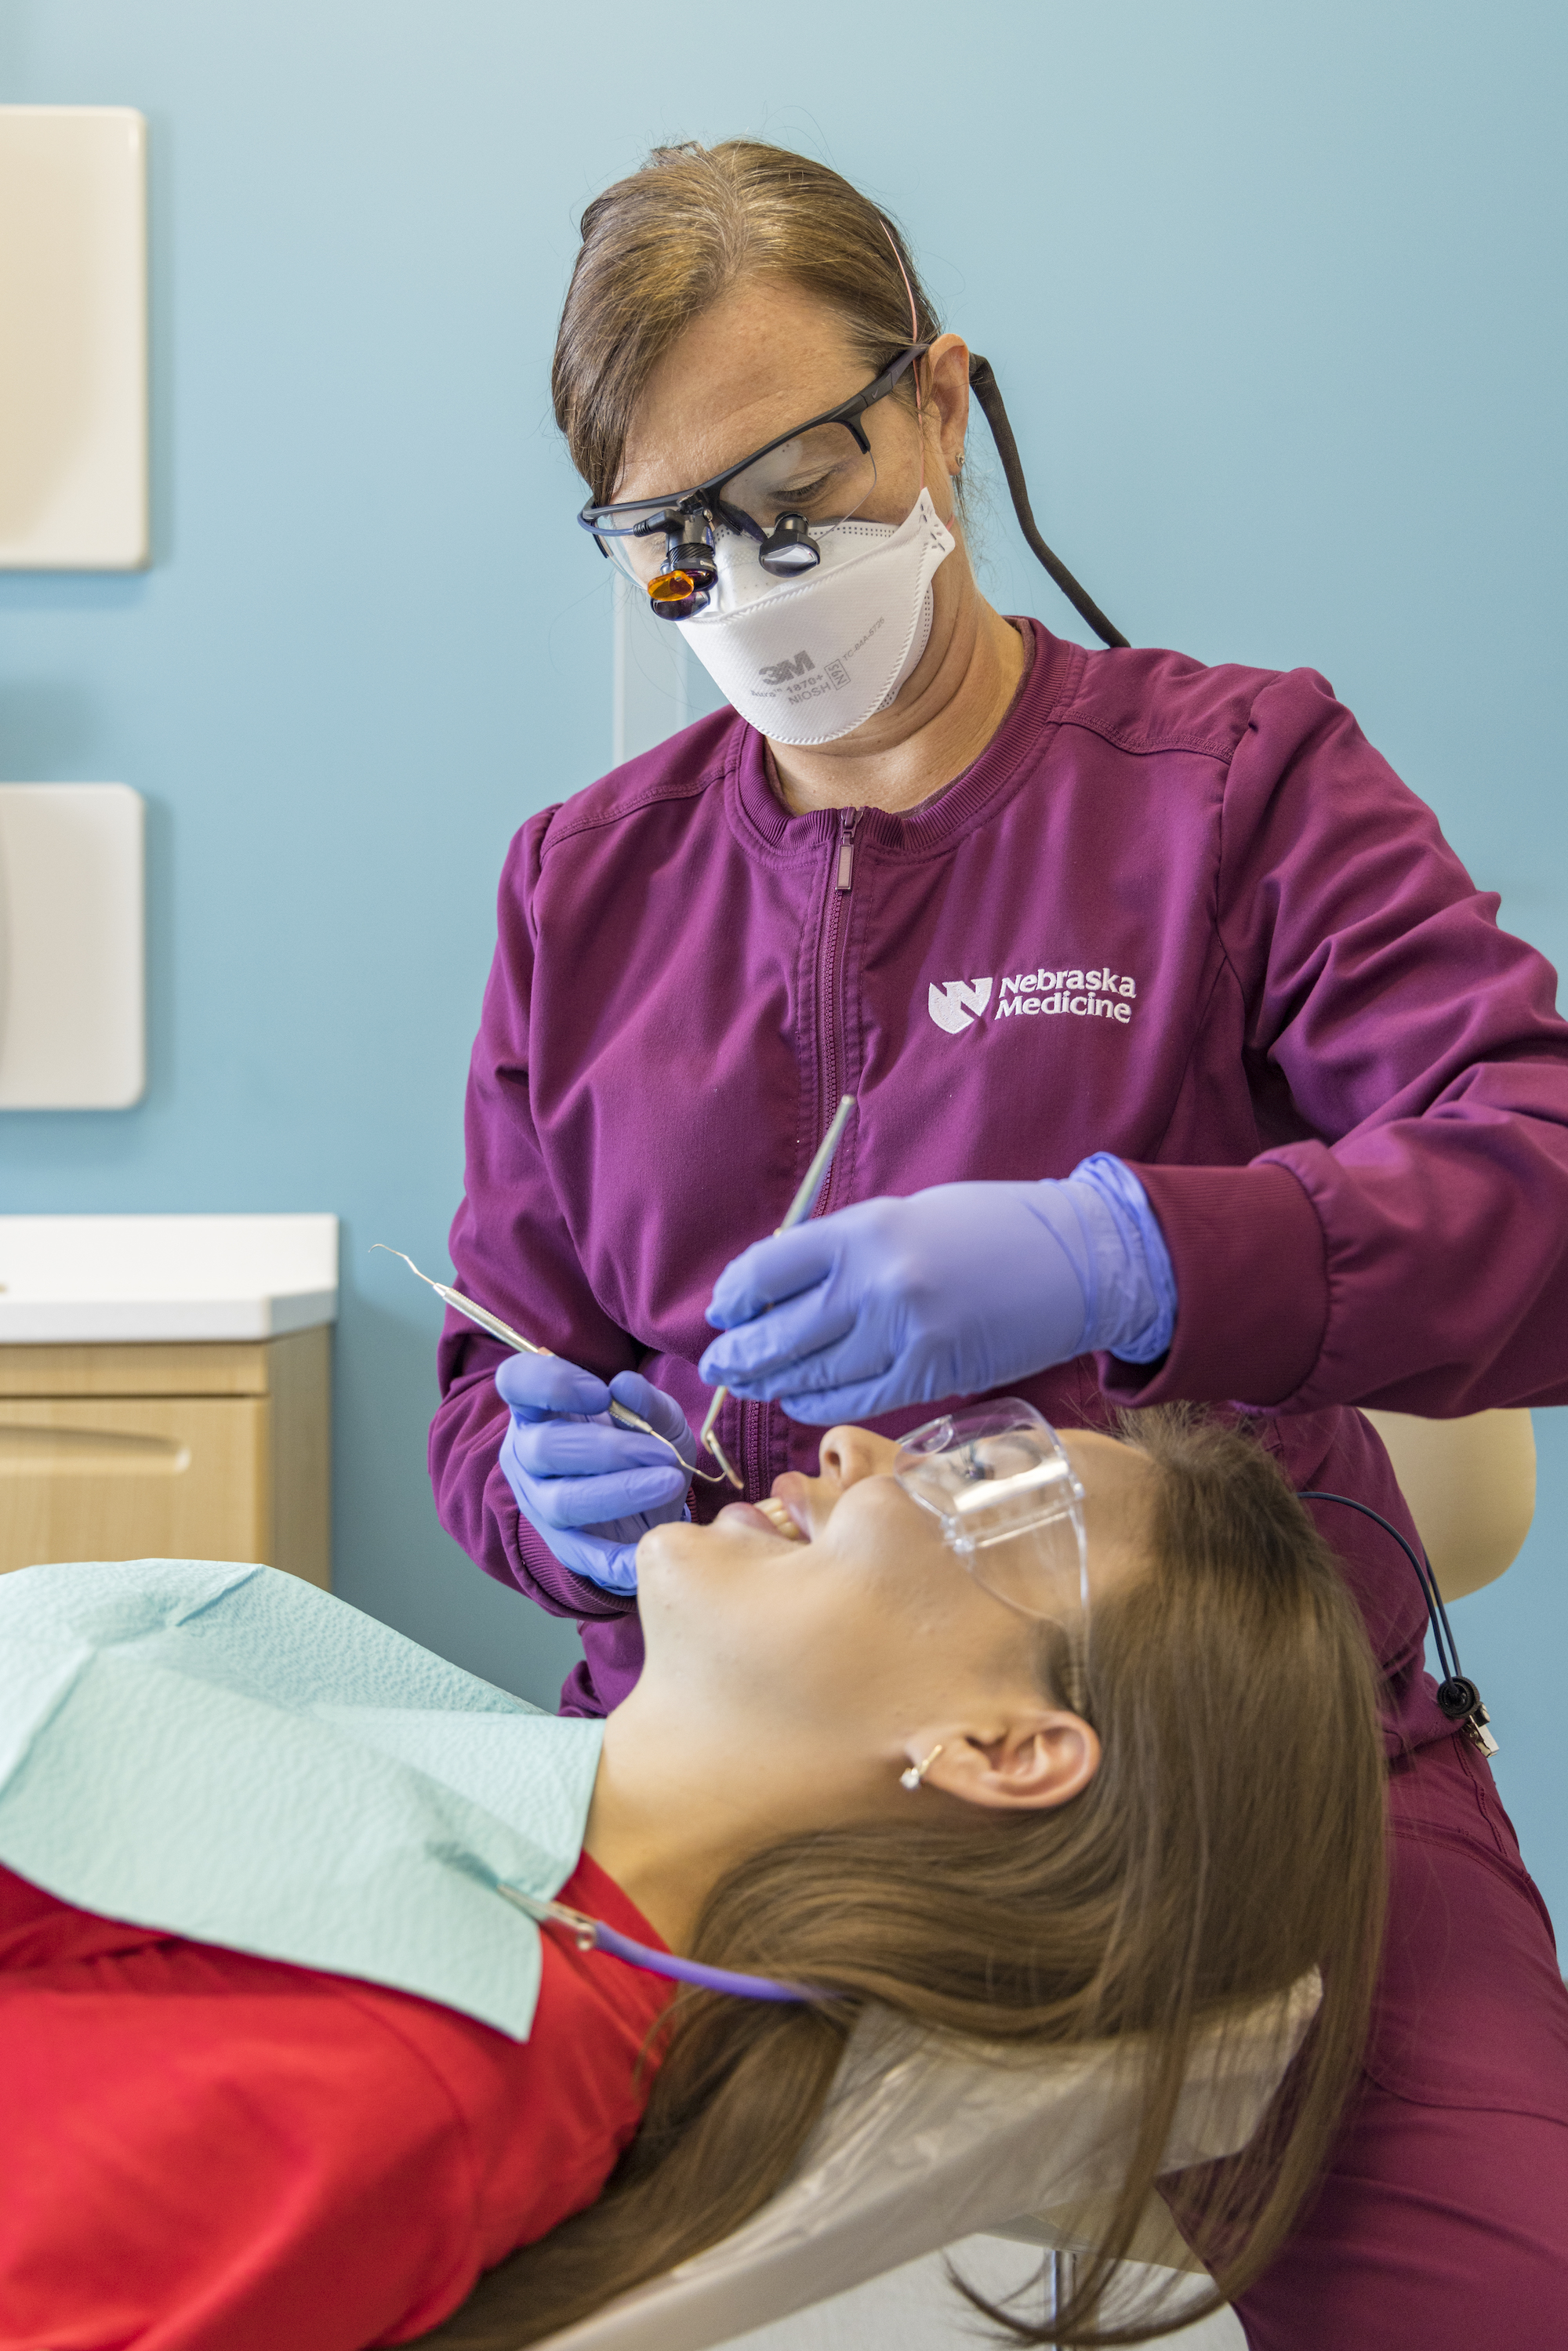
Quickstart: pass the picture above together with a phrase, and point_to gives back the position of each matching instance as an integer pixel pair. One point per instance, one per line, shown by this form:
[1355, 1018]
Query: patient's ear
[1039, 1761]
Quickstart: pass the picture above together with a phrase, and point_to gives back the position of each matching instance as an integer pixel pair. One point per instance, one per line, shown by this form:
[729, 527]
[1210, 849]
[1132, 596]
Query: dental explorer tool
[800, 1208]
[521, 1346]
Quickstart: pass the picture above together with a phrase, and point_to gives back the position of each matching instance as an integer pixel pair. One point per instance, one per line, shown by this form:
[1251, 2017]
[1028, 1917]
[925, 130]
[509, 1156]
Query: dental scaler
[800, 1208]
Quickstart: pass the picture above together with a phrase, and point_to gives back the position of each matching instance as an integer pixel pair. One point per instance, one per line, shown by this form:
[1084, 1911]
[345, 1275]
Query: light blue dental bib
[226, 1752]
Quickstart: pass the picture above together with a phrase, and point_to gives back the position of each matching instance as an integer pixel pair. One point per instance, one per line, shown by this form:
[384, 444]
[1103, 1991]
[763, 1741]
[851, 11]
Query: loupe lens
[676, 596]
[789, 550]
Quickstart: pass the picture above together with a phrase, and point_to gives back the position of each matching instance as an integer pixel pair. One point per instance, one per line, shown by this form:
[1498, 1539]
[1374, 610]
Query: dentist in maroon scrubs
[1188, 1063]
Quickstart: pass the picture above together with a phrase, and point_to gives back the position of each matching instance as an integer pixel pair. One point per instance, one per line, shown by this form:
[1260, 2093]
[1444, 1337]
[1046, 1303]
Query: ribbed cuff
[1247, 1255]
[536, 1571]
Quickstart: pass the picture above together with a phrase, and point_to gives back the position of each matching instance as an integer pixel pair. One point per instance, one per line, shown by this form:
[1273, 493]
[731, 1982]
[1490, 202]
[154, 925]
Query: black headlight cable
[1456, 1694]
[986, 391]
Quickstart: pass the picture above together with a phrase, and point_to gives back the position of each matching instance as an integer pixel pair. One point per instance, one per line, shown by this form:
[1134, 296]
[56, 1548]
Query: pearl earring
[916, 1771]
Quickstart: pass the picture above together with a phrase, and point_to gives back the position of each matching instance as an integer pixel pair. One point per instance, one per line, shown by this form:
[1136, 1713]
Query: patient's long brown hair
[1231, 1841]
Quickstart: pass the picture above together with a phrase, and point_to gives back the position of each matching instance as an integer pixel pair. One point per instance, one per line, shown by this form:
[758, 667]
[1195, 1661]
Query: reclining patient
[1034, 1742]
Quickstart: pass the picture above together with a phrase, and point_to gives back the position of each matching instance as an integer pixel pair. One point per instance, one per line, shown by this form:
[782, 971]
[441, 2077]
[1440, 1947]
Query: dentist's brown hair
[661, 246]
[1231, 1842]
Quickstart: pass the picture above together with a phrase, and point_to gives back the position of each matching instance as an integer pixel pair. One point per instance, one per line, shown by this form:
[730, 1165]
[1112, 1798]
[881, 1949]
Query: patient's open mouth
[770, 1514]
[778, 1515]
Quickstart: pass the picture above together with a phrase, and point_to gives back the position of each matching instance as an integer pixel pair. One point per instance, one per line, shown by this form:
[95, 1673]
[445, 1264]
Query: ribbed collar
[916, 832]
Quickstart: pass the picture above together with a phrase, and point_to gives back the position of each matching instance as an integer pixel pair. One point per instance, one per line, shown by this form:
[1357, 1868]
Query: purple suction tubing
[593, 1935]
[692, 1972]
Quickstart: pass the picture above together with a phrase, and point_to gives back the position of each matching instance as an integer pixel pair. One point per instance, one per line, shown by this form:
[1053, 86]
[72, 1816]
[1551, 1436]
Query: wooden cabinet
[210, 1449]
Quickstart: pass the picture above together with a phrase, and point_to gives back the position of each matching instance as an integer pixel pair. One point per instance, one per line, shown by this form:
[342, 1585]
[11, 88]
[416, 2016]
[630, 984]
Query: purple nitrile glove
[951, 1291]
[591, 1487]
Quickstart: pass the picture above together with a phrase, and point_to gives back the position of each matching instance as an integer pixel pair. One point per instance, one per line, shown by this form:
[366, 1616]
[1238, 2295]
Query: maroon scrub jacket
[1188, 915]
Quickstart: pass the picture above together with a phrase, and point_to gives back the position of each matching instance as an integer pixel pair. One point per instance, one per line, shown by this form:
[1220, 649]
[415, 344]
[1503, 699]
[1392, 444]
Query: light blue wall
[1276, 298]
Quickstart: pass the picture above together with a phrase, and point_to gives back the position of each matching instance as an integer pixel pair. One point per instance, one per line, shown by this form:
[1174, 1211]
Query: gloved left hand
[951, 1291]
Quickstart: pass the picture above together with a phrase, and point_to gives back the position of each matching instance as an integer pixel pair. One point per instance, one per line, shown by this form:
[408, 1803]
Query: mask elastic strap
[914, 338]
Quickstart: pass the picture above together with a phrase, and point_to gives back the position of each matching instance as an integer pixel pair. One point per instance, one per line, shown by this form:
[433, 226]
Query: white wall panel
[73, 338]
[72, 947]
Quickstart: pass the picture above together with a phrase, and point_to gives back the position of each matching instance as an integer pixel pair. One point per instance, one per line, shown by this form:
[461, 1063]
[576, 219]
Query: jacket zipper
[754, 1417]
[754, 1451]
[847, 848]
[831, 993]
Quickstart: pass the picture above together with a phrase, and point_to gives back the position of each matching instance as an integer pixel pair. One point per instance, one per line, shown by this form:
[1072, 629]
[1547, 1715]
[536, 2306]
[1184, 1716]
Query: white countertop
[88, 1280]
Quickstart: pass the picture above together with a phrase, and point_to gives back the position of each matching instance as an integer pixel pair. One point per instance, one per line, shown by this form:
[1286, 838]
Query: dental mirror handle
[513, 1339]
[800, 1208]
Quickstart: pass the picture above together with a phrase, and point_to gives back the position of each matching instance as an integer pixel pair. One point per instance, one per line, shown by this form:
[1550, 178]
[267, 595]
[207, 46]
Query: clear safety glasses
[817, 474]
[1009, 1503]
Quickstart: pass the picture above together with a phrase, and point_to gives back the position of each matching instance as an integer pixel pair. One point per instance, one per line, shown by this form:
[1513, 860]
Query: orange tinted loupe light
[675, 595]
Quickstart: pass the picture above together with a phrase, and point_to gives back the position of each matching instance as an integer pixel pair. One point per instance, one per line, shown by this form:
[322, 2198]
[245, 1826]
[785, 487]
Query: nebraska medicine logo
[956, 1004]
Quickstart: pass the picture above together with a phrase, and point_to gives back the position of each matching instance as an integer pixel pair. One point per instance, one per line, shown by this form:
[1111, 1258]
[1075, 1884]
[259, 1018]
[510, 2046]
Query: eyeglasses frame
[704, 498]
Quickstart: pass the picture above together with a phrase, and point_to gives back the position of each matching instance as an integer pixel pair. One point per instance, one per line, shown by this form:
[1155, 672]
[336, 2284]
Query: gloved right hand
[589, 1487]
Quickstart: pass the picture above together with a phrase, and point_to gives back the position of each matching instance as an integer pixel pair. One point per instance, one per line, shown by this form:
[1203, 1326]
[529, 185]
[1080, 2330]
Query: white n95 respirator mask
[806, 661]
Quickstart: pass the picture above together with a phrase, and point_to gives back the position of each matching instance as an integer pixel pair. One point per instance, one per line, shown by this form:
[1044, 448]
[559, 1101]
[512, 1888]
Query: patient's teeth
[776, 1512]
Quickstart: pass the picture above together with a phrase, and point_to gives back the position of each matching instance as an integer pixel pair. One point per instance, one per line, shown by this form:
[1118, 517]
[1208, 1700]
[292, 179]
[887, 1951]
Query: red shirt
[201, 2150]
